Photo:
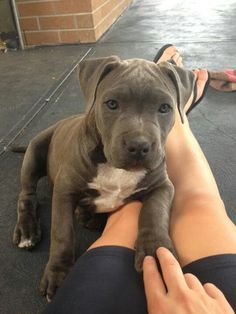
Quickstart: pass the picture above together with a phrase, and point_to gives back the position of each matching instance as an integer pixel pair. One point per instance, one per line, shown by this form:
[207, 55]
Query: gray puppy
[112, 154]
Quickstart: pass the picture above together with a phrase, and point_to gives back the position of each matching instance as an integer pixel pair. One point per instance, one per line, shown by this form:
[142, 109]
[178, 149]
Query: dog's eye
[112, 104]
[164, 108]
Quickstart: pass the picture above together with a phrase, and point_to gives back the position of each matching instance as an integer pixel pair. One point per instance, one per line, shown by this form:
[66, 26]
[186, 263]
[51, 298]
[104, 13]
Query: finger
[213, 291]
[153, 282]
[193, 282]
[218, 295]
[171, 270]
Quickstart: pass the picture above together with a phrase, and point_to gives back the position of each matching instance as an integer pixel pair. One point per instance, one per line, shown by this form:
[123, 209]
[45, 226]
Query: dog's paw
[147, 247]
[27, 233]
[51, 281]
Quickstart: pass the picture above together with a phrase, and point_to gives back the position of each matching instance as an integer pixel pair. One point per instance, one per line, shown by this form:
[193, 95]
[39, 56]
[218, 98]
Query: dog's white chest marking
[114, 185]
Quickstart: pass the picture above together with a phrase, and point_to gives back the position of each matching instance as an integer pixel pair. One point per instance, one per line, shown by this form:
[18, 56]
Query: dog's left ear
[183, 81]
[91, 73]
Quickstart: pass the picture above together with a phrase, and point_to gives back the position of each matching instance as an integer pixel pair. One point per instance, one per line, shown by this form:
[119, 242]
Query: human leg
[203, 235]
[195, 187]
[199, 223]
[121, 227]
[102, 281]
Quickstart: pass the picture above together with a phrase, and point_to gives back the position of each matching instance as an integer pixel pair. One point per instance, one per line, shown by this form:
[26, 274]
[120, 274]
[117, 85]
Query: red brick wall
[46, 22]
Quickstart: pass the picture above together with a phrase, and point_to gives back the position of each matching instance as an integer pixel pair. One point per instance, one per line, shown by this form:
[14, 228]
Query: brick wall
[46, 22]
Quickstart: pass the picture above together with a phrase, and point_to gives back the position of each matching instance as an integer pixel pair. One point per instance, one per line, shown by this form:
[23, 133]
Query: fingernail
[160, 248]
[148, 258]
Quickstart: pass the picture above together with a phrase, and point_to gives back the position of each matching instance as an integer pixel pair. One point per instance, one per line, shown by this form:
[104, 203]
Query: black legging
[104, 281]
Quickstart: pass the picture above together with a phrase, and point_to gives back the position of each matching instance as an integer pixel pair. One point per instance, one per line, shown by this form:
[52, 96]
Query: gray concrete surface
[205, 33]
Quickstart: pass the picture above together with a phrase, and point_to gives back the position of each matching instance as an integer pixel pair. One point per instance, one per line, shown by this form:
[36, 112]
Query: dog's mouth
[137, 164]
[136, 167]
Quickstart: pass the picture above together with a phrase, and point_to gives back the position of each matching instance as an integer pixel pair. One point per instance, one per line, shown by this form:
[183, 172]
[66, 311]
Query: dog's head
[133, 103]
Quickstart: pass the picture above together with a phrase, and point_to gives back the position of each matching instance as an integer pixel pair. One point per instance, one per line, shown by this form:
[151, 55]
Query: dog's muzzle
[137, 148]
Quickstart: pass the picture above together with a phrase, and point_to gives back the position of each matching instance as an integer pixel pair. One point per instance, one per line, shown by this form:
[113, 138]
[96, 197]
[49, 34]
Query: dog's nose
[138, 148]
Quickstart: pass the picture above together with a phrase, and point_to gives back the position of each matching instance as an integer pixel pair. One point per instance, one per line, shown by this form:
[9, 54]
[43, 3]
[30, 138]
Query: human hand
[179, 293]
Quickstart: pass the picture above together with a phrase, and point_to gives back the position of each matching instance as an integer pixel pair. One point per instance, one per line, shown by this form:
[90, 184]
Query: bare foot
[178, 59]
[171, 53]
[202, 77]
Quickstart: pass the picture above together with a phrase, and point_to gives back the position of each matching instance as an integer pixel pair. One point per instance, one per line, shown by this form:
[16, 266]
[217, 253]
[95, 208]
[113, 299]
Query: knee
[200, 203]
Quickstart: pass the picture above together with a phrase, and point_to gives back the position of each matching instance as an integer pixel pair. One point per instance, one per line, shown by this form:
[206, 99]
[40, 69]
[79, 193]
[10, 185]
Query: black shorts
[104, 281]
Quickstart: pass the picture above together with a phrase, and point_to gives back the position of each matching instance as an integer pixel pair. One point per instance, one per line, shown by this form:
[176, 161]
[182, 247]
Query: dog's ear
[91, 73]
[183, 81]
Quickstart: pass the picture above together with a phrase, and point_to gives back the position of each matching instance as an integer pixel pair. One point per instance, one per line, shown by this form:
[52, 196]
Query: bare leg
[121, 228]
[199, 224]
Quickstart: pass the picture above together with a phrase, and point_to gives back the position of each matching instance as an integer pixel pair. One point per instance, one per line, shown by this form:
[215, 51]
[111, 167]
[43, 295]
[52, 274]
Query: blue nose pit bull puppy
[112, 154]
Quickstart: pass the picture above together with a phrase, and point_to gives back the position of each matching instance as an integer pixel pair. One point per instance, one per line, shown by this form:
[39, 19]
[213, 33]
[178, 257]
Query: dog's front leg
[61, 256]
[154, 223]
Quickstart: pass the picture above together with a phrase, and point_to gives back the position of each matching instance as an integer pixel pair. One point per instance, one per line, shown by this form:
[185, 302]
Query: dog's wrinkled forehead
[136, 80]
[141, 73]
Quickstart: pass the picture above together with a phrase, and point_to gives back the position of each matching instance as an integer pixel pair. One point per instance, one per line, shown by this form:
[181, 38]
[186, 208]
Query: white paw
[25, 243]
[48, 299]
